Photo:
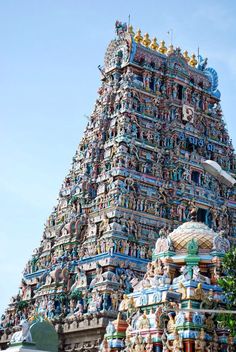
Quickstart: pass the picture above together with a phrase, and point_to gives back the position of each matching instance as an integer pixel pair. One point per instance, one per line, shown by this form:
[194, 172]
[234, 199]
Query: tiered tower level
[138, 169]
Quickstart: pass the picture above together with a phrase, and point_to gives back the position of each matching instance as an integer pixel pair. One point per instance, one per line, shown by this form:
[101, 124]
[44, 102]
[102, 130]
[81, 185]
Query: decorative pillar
[158, 347]
[188, 345]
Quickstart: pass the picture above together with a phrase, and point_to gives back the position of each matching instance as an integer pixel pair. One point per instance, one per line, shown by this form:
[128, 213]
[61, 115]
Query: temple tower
[141, 165]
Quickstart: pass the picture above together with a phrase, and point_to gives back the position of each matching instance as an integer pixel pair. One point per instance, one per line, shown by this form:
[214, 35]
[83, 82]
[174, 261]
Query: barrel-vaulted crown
[129, 47]
[191, 232]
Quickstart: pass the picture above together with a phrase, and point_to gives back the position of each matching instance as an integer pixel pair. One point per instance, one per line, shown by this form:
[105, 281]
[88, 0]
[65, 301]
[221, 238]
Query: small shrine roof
[188, 231]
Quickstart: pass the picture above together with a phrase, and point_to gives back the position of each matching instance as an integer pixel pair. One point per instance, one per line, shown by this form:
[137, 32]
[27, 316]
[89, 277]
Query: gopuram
[173, 307]
[144, 216]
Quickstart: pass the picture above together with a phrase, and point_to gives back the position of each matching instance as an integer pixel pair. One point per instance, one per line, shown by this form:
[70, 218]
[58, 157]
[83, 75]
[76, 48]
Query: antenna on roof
[171, 34]
[198, 54]
[129, 20]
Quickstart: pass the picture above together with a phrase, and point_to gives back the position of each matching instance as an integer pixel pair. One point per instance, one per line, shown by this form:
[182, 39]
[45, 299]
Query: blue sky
[49, 53]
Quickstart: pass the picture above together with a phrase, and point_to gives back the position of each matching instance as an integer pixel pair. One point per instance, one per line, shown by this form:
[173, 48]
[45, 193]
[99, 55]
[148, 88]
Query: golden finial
[170, 49]
[185, 55]
[154, 45]
[193, 61]
[162, 47]
[130, 30]
[146, 41]
[138, 37]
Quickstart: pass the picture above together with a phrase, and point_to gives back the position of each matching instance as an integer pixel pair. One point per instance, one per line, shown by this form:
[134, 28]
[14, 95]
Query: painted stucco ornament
[220, 243]
[24, 335]
[192, 247]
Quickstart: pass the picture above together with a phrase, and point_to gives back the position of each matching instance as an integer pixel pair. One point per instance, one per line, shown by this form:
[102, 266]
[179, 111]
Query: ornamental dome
[192, 230]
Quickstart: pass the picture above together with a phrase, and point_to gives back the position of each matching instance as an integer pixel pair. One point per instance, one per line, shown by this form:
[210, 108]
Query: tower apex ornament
[120, 28]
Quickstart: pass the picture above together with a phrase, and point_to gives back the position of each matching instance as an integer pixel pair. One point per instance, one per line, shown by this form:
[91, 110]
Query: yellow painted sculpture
[170, 49]
[130, 30]
[182, 289]
[185, 55]
[154, 45]
[199, 292]
[162, 48]
[146, 40]
[193, 61]
[138, 36]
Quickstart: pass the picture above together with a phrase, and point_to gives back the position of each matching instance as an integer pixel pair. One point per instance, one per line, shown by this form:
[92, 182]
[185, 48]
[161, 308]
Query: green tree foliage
[228, 284]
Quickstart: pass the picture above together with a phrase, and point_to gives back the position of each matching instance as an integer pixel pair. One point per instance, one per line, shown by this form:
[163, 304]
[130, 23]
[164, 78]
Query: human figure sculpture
[158, 269]
[143, 321]
[130, 306]
[200, 343]
[98, 277]
[139, 345]
[164, 341]
[104, 225]
[132, 227]
[95, 303]
[214, 343]
[24, 335]
[79, 309]
[50, 309]
[152, 318]
[230, 343]
[182, 289]
[193, 210]
[199, 293]
[171, 323]
[115, 301]
[80, 280]
[149, 344]
[209, 323]
[124, 303]
[177, 343]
